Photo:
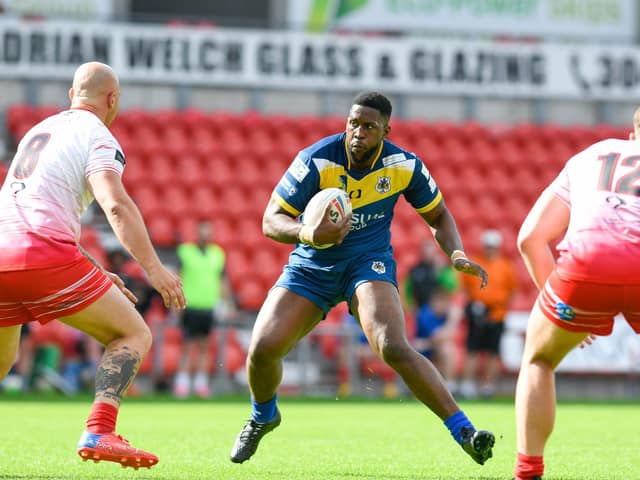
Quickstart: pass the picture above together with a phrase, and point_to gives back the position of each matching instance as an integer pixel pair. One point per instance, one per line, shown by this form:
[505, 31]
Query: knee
[394, 351]
[264, 350]
[137, 337]
[145, 338]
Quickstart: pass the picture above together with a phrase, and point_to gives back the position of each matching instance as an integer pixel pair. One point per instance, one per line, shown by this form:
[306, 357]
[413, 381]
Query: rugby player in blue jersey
[359, 269]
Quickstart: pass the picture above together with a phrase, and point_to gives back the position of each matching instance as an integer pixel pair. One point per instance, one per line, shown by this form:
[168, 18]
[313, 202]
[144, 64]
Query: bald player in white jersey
[61, 165]
[596, 199]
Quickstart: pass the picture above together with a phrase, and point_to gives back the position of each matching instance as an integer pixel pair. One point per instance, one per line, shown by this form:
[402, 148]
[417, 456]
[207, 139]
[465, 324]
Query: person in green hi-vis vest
[202, 269]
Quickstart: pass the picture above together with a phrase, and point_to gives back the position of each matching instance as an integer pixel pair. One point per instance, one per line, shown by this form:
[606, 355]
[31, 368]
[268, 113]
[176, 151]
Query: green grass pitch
[318, 439]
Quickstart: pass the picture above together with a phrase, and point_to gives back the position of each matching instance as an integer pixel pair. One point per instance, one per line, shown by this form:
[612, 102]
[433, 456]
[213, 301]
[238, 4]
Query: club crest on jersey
[564, 311]
[383, 185]
[378, 267]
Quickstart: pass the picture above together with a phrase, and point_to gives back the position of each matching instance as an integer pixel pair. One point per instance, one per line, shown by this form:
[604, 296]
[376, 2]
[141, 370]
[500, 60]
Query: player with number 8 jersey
[61, 164]
[50, 171]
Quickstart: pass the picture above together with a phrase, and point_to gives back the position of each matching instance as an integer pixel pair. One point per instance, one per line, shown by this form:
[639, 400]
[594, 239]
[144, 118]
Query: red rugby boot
[113, 448]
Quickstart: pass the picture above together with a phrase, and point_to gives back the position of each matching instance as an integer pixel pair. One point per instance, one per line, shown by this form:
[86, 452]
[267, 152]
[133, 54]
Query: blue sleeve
[422, 193]
[298, 184]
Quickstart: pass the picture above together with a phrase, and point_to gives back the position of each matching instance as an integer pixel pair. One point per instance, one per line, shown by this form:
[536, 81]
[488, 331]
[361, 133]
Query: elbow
[113, 209]
[267, 228]
[522, 242]
[526, 242]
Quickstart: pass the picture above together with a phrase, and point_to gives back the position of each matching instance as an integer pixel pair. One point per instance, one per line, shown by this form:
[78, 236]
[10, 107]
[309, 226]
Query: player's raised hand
[464, 265]
[169, 285]
[328, 230]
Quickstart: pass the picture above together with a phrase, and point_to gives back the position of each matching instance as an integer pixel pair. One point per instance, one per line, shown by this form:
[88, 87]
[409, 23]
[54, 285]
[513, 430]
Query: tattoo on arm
[90, 258]
[117, 370]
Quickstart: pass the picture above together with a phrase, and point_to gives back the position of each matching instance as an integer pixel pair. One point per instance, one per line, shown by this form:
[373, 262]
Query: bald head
[96, 88]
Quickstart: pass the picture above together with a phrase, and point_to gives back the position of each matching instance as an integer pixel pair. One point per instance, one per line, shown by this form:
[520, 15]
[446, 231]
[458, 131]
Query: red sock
[102, 418]
[528, 467]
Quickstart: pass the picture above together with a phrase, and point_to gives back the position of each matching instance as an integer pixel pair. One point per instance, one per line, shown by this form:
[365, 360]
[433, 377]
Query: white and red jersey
[601, 185]
[46, 192]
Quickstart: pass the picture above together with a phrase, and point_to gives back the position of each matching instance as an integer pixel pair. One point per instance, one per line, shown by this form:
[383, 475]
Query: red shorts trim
[45, 294]
[588, 307]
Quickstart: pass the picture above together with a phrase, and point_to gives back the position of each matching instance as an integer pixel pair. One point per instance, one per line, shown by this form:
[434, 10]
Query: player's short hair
[374, 100]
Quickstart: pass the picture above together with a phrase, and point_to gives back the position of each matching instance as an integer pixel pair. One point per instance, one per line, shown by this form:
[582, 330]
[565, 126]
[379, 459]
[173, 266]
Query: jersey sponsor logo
[362, 220]
[564, 311]
[393, 159]
[355, 193]
[120, 157]
[298, 169]
[432, 185]
[383, 185]
[378, 267]
[430, 180]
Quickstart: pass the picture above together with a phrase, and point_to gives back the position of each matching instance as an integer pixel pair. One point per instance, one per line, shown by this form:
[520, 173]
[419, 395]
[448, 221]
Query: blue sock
[455, 423]
[264, 412]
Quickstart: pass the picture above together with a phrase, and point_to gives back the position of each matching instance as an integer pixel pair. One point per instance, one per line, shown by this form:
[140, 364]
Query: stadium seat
[251, 294]
[161, 171]
[177, 202]
[162, 231]
[148, 201]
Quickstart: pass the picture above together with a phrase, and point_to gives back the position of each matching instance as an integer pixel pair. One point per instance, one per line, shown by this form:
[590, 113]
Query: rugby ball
[340, 207]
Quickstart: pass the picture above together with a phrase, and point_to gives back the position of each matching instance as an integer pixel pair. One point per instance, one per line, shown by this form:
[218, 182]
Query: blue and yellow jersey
[373, 192]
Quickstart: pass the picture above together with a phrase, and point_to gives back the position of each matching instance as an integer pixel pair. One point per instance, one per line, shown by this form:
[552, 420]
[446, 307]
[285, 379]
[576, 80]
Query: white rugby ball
[340, 207]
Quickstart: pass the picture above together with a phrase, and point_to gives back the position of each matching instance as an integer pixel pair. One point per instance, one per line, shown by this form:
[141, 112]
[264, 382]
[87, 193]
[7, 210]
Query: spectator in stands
[595, 203]
[436, 324]
[436, 319]
[485, 312]
[207, 289]
[60, 166]
[431, 272]
[359, 268]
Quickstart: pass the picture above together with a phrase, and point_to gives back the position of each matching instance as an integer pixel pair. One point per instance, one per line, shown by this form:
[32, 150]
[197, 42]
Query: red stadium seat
[162, 231]
[162, 171]
[251, 294]
[240, 267]
[176, 201]
[148, 201]
[189, 170]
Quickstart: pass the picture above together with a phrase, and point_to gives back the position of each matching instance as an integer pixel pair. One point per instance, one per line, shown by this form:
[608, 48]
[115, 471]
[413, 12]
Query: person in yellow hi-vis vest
[202, 269]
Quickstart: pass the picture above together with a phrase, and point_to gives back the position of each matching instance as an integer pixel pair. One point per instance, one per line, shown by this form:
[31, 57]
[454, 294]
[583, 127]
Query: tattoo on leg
[116, 372]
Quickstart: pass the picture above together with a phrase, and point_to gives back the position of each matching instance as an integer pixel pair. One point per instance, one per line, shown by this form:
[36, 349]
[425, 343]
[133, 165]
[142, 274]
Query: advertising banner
[590, 20]
[268, 59]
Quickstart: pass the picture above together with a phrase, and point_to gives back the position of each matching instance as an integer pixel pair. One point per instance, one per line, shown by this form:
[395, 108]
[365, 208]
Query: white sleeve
[104, 154]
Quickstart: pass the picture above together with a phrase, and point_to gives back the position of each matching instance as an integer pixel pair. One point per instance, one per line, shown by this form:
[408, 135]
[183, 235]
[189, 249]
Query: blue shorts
[328, 286]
